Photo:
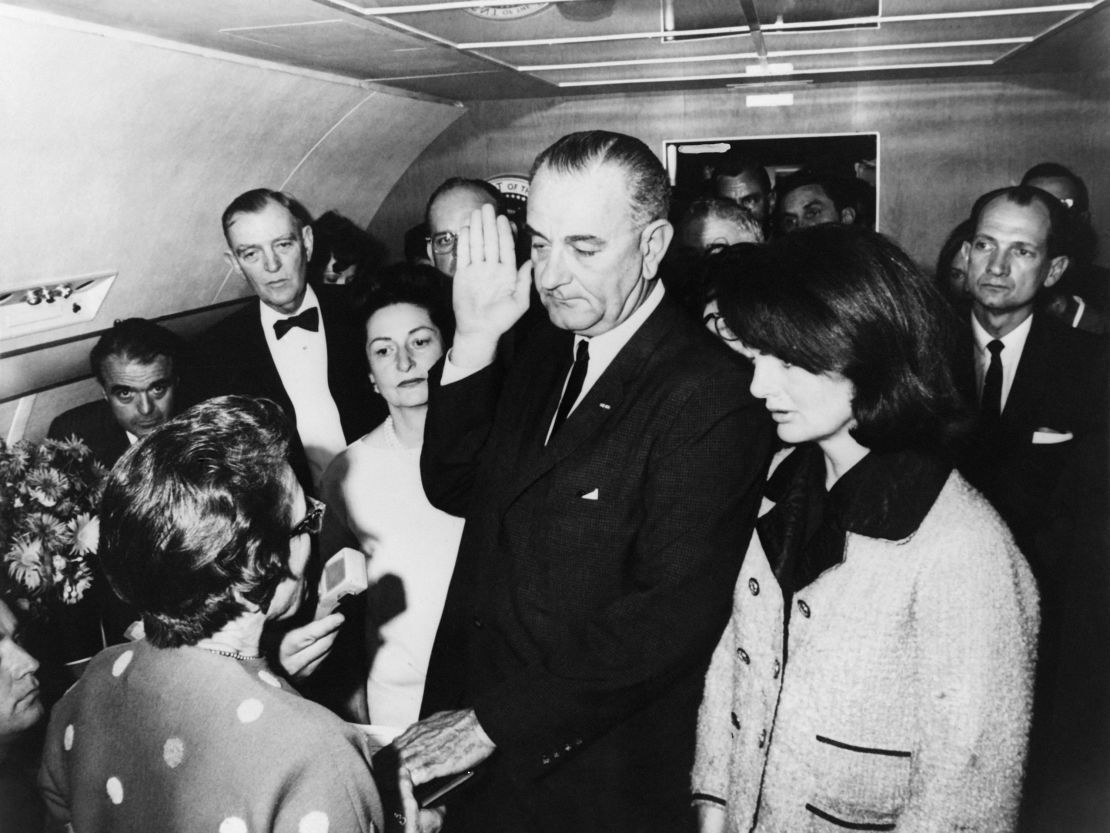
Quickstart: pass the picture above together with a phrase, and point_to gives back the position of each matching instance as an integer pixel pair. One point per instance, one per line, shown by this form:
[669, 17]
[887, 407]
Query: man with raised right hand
[609, 477]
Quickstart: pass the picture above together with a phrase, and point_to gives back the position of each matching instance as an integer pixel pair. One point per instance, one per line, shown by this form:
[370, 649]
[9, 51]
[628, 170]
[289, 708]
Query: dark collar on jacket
[884, 495]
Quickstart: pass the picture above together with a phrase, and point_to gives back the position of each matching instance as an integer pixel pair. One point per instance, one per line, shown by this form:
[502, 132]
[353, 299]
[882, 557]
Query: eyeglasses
[313, 521]
[716, 322]
[443, 242]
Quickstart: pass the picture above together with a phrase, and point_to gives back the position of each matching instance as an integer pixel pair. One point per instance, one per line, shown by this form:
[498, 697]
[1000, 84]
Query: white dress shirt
[603, 348]
[1013, 345]
[301, 359]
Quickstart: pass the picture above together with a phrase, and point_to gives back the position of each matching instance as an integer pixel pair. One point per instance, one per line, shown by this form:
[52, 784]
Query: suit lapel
[115, 438]
[259, 360]
[597, 406]
[1029, 377]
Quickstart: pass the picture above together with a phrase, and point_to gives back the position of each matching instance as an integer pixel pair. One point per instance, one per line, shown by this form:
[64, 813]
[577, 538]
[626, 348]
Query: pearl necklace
[230, 653]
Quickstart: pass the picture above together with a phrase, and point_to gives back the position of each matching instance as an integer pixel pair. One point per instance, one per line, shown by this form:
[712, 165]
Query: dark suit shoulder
[78, 420]
[93, 424]
[231, 327]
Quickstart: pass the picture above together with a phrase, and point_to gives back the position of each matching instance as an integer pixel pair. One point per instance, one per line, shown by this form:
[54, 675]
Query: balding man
[449, 209]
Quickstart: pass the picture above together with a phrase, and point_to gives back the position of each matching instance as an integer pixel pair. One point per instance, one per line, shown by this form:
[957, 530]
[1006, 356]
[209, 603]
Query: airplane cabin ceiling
[496, 49]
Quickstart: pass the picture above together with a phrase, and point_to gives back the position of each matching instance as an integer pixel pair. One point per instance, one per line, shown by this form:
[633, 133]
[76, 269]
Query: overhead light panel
[770, 100]
[769, 69]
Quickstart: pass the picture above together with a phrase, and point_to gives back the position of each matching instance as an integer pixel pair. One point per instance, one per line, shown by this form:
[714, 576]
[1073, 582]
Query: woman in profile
[377, 502]
[204, 530]
[876, 673]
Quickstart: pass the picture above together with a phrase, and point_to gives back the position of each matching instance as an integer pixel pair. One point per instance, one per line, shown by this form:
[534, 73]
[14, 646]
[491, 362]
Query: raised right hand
[489, 293]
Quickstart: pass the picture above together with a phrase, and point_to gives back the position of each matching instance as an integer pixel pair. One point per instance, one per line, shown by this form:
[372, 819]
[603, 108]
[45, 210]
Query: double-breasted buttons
[776, 669]
[744, 658]
[753, 586]
[803, 607]
[735, 720]
[478, 623]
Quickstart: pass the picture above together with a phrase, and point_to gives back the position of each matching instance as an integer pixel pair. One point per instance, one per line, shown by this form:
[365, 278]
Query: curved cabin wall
[119, 152]
[942, 142]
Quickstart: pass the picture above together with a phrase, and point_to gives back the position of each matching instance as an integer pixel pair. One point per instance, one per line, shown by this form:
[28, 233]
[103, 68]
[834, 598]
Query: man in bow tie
[302, 351]
[609, 475]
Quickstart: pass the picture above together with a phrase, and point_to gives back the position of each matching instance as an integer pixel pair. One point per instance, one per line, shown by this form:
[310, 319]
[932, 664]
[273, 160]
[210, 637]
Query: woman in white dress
[374, 495]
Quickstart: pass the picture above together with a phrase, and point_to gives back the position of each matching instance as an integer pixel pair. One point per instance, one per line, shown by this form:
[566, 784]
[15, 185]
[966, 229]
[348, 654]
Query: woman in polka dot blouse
[205, 530]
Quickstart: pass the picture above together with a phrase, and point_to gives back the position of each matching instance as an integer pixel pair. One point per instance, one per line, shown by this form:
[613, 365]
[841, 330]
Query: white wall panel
[119, 152]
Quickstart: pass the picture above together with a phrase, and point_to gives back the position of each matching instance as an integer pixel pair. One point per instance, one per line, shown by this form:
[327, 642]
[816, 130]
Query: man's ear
[306, 236]
[1056, 270]
[847, 216]
[233, 263]
[654, 240]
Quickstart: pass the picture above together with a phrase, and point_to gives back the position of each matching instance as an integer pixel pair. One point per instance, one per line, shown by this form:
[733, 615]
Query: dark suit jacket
[237, 360]
[93, 424]
[594, 575]
[1060, 384]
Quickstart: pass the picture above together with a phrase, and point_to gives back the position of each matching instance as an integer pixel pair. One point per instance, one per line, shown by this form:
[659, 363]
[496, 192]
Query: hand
[489, 293]
[304, 648]
[443, 744]
[410, 818]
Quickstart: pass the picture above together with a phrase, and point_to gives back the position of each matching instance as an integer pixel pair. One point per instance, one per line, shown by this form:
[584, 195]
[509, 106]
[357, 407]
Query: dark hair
[458, 183]
[722, 209]
[336, 236]
[1054, 170]
[843, 299]
[730, 264]
[648, 187]
[137, 340]
[1058, 240]
[411, 283]
[196, 511]
[841, 190]
[252, 202]
[737, 167]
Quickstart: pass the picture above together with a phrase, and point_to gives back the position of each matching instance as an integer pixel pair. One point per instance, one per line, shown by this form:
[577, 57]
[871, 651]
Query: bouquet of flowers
[48, 526]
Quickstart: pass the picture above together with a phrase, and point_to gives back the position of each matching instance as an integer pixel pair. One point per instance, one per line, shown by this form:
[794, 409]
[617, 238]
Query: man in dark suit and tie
[1040, 385]
[137, 364]
[1037, 452]
[609, 476]
[304, 352]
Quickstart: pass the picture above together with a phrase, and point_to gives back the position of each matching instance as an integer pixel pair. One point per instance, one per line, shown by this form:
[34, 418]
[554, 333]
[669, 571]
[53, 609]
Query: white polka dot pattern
[121, 663]
[173, 752]
[269, 678]
[249, 710]
[233, 824]
[115, 790]
[314, 822]
[67, 737]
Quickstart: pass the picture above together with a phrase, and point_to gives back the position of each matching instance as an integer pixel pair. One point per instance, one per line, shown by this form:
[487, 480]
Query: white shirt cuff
[454, 373]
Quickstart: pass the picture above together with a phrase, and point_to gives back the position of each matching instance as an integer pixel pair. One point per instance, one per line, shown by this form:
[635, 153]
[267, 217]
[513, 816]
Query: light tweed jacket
[902, 700]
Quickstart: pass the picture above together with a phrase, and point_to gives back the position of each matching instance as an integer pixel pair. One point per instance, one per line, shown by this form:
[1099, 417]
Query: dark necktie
[574, 384]
[308, 320]
[991, 405]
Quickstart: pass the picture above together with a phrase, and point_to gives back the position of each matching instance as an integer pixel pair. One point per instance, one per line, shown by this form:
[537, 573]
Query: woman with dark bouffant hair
[876, 673]
[376, 502]
[205, 531]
